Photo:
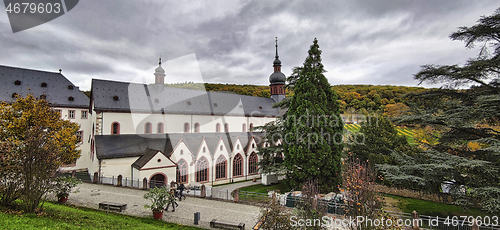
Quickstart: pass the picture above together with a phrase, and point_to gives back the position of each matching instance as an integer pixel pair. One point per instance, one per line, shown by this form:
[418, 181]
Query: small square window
[84, 114]
[71, 114]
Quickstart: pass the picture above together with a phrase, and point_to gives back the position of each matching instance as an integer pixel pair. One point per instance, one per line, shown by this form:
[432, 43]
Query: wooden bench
[112, 206]
[218, 224]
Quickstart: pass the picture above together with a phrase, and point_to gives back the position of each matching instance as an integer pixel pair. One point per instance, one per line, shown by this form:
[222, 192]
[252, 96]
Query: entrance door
[158, 180]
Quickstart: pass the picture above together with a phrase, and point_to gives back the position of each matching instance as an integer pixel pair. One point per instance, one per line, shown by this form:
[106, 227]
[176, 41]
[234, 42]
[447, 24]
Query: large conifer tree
[312, 128]
[465, 118]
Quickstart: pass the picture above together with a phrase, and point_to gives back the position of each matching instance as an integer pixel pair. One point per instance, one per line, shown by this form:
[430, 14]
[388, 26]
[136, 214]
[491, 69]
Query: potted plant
[159, 200]
[63, 186]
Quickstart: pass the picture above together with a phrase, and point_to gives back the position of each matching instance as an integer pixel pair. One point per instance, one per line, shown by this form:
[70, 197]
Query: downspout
[212, 172]
[100, 173]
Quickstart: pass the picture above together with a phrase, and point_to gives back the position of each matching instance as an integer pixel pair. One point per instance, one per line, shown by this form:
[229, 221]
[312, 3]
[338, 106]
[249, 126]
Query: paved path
[220, 191]
[91, 195]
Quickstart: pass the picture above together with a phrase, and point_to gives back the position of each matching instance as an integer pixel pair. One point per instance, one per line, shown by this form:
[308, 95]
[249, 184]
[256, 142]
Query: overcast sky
[379, 42]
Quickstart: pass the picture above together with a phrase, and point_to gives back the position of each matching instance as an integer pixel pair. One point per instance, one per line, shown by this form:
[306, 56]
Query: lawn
[260, 188]
[58, 216]
[431, 208]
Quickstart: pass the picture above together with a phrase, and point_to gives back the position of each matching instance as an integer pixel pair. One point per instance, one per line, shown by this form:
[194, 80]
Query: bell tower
[277, 79]
[159, 74]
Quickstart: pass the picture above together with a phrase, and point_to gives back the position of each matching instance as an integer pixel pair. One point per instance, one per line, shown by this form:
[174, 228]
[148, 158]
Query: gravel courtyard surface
[91, 195]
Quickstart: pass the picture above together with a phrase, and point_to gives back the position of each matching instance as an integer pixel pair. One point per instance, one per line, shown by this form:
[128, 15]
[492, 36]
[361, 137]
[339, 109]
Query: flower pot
[63, 199]
[158, 215]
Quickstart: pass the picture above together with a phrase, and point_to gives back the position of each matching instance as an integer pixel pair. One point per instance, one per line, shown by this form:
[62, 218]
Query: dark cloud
[363, 42]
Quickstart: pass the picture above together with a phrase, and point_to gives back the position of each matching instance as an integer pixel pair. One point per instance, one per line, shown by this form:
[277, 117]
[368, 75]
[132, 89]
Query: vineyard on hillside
[408, 132]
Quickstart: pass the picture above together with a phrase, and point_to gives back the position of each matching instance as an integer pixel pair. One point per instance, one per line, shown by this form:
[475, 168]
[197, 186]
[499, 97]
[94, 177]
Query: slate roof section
[57, 88]
[154, 98]
[133, 145]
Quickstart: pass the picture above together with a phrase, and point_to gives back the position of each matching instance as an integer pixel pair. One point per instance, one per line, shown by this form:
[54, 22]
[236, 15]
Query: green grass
[58, 216]
[260, 188]
[233, 182]
[431, 208]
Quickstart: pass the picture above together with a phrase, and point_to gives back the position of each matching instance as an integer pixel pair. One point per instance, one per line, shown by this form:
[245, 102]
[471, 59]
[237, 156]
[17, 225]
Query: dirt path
[391, 204]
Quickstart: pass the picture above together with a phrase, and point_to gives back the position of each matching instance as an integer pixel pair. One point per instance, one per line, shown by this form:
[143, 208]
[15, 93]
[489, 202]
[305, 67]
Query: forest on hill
[386, 99]
[362, 99]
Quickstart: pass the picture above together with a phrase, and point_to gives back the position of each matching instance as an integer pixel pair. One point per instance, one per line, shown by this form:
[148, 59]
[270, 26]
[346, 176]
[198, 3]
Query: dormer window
[43, 96]
[43, 85]
[71, 99]
[70, 87]
[14, 95]
[17, 82]
[116, 98]
[260, 107]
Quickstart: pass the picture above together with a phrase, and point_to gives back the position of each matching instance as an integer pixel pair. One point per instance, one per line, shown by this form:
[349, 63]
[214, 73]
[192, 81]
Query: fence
[253, 197]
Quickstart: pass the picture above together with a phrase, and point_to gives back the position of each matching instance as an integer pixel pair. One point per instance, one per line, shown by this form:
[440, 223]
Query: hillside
[353, 98]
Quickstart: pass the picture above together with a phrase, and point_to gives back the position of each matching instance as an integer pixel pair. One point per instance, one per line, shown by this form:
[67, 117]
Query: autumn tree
[465, 109]
[358, 180]
[312, 128]
[35, 143]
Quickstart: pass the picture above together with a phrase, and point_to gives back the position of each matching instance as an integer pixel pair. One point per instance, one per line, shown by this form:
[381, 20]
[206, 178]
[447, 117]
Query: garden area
[64, 216]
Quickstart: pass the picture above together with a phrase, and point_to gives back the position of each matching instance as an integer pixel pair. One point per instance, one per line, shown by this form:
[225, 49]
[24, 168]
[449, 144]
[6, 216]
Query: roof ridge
[35, 70]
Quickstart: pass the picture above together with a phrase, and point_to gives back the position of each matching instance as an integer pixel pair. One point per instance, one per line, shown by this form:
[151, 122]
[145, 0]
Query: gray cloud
[363, 42]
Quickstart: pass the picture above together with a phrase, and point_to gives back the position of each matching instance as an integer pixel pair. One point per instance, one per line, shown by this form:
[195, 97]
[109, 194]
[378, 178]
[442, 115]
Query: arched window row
[182, 171]
[252, 163]
[220, 168]
[160, 128]
[196, 127]
[238, 166]
[202, 170]
[147, 128]
[115, 128]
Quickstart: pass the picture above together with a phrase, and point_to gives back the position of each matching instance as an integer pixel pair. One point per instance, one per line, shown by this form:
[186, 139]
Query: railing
[253, 197]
